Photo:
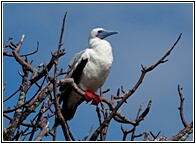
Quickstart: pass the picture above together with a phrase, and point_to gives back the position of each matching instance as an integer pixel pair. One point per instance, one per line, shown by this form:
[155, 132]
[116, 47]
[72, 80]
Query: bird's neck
[97, 42]
[101, 48]
[93, 42]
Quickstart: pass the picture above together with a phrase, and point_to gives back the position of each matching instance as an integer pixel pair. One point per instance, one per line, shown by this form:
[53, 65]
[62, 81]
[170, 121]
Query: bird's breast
[96, 71]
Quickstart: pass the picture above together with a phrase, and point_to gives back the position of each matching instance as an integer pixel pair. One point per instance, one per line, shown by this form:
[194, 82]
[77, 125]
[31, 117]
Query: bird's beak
[105, 34]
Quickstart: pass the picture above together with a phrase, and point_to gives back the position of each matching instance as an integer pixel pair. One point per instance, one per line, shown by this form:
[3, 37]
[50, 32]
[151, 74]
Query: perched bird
[90, 70]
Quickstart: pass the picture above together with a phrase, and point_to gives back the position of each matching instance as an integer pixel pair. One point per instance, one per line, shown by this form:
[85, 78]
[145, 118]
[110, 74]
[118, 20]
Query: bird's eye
[100, 31]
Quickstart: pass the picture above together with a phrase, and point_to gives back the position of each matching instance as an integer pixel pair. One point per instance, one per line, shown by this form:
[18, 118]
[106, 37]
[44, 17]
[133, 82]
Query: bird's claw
[92, 96]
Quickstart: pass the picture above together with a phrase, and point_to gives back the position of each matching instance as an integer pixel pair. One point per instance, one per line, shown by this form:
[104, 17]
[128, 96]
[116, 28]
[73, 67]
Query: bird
[90, 70]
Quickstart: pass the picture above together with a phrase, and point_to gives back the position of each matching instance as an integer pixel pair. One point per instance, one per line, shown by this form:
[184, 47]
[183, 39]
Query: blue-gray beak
[103, 33]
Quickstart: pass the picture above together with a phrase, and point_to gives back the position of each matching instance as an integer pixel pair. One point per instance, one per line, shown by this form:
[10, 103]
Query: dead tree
[47, 96]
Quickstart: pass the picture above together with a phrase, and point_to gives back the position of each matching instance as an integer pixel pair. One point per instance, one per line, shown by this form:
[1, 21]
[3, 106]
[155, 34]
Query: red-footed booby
[90, 71]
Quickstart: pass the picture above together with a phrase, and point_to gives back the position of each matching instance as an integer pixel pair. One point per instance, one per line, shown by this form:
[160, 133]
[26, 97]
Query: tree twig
[85, 138]
[181, 106]
[12, 95]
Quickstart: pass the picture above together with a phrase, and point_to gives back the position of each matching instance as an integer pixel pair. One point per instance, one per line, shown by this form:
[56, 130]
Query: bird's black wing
[76, 75]
[70, 104]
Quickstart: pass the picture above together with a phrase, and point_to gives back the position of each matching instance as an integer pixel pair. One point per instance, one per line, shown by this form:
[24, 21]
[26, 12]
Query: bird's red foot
[92, 96]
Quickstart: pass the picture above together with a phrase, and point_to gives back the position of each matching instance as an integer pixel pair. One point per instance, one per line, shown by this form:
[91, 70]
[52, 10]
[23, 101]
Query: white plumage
[89, 72]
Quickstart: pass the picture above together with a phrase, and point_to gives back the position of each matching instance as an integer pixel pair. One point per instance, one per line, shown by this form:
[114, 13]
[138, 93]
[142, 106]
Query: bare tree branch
[181, 107]
[59, 115]
[183, 134]
[12, 95]
[42, 124]
[8, 131]
[31, 52]
[18, 58]
[130, 92]
[188, 128]
[85, 138]
[6, 53]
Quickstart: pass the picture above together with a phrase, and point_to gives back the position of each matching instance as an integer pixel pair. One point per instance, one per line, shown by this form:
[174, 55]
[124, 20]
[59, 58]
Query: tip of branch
[37, 44]
[65, 14]
[143, 67]
[163, 61]
[22, 38]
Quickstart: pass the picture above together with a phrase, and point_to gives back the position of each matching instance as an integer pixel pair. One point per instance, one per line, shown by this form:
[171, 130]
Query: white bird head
[101, 33]
[97, 35]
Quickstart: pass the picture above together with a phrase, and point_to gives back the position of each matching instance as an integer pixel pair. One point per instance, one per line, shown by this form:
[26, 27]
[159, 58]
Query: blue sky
[147, 31]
